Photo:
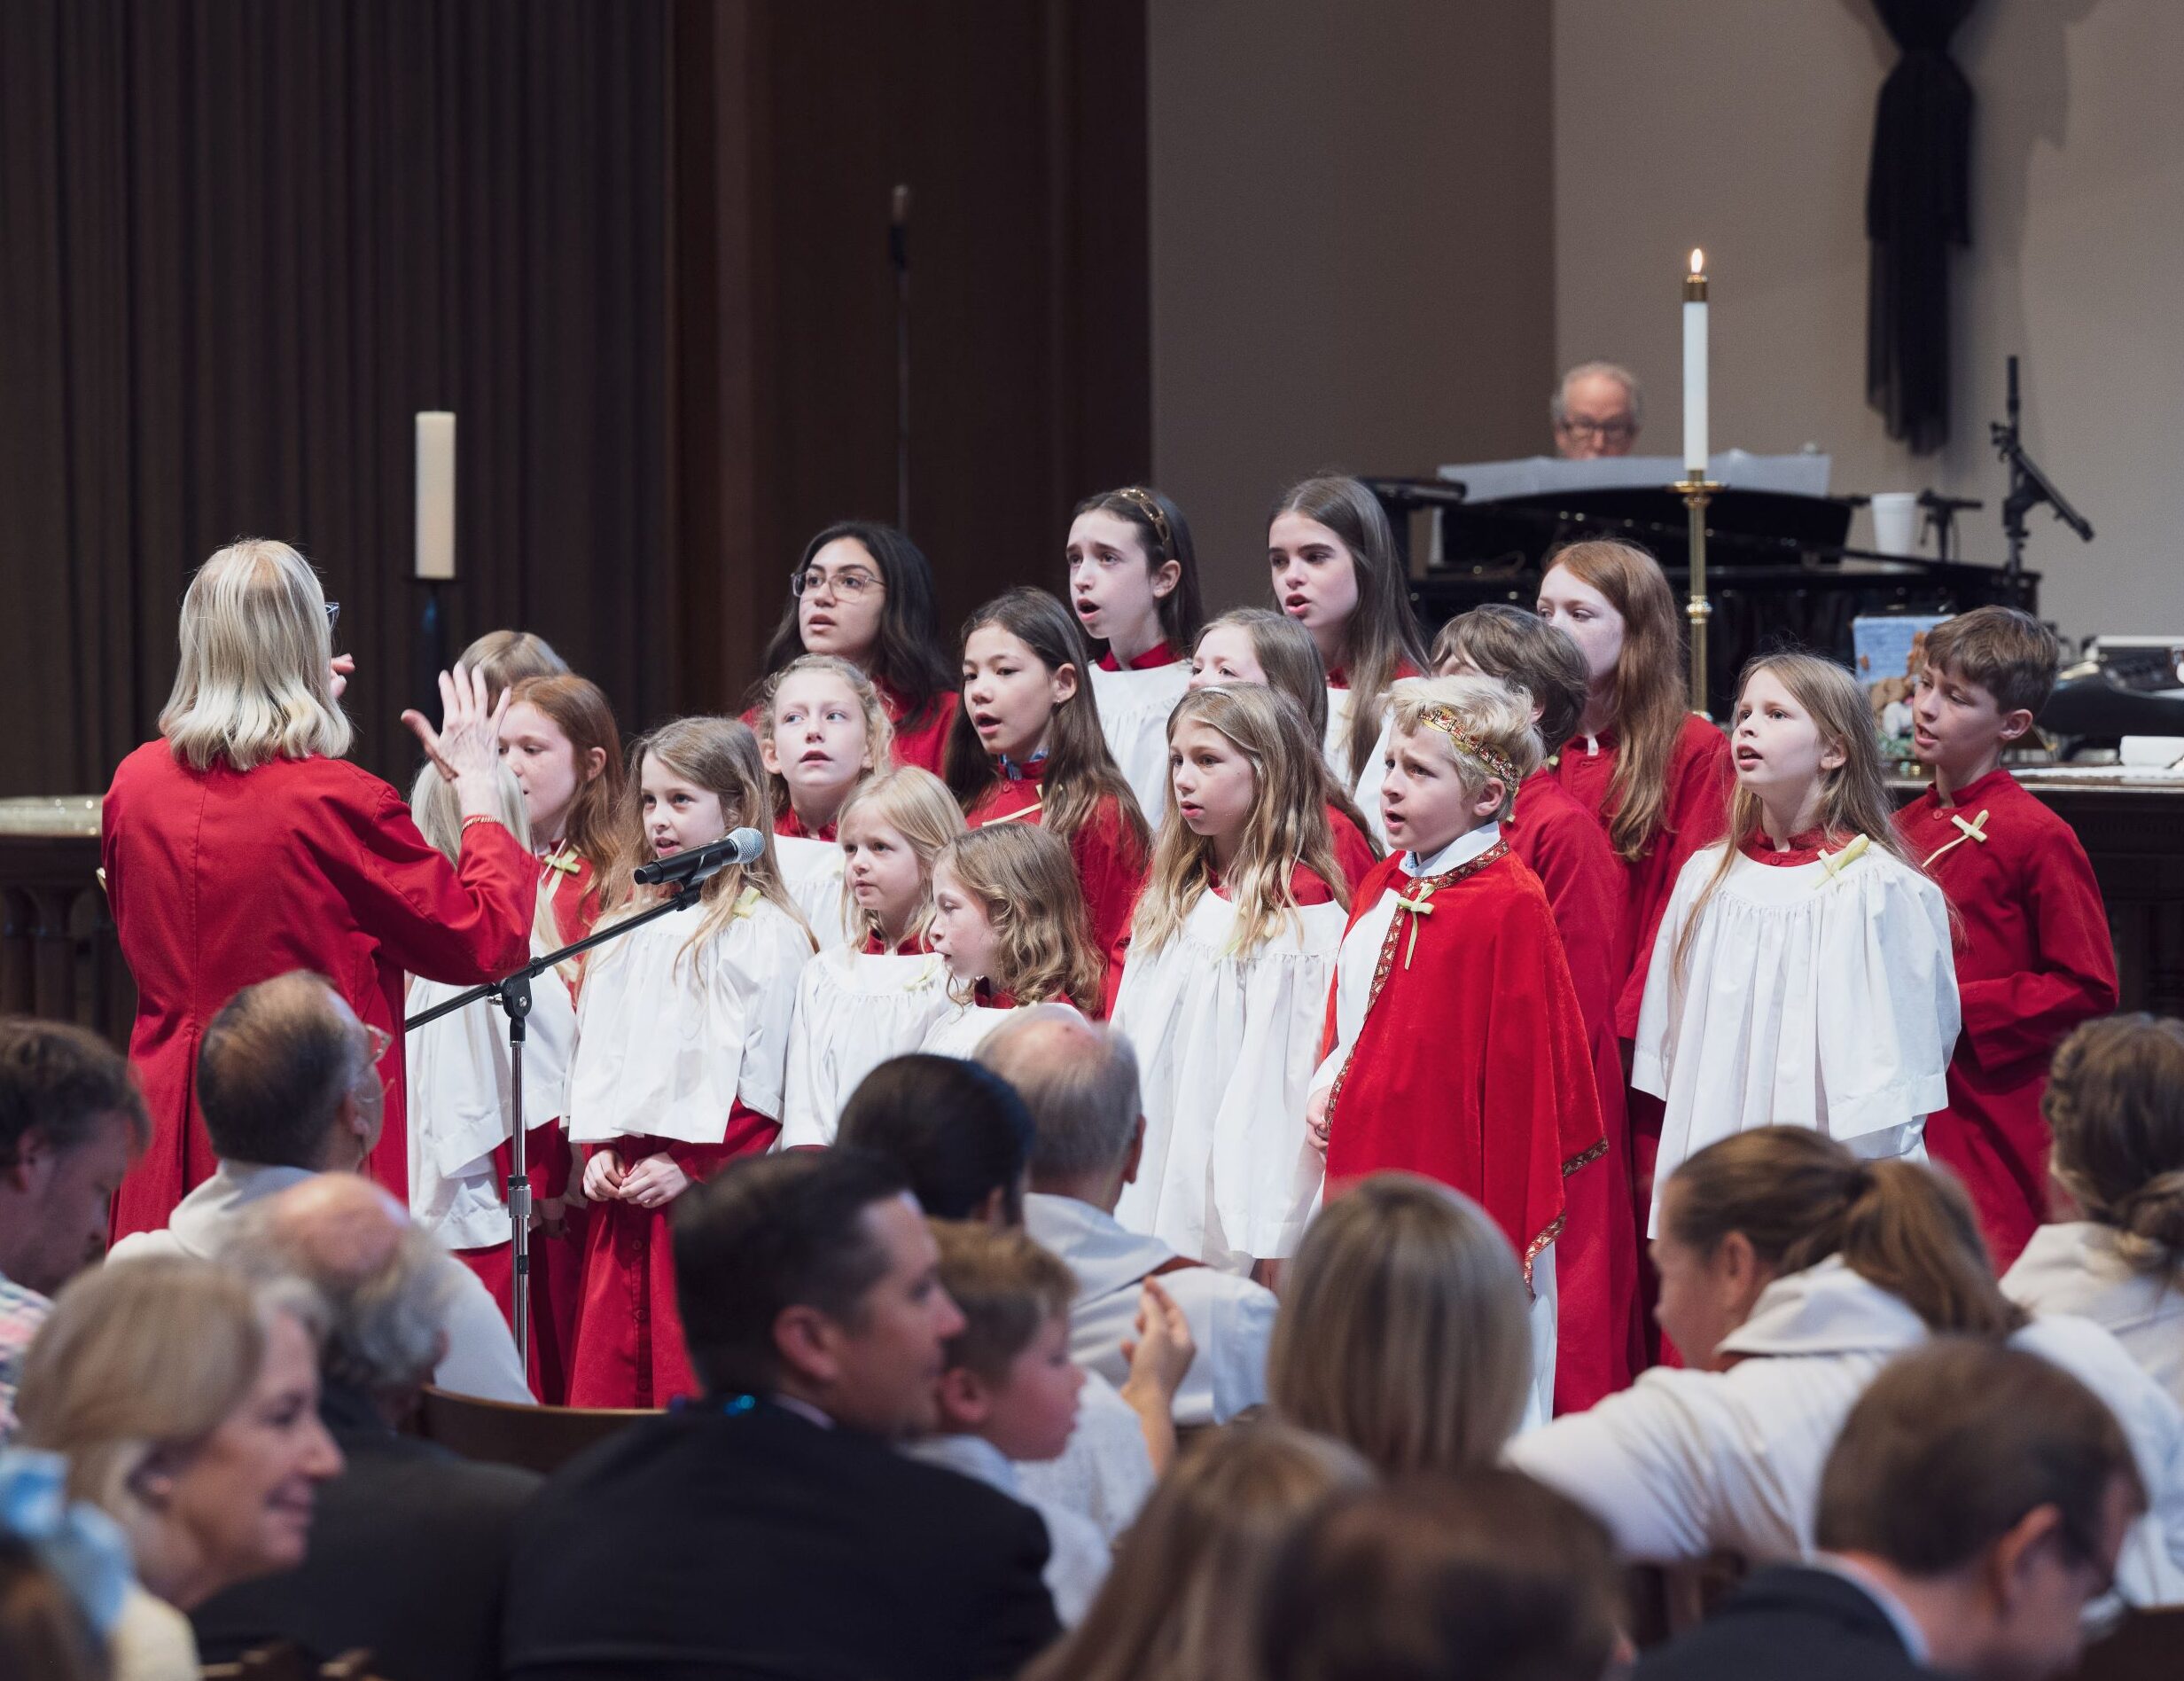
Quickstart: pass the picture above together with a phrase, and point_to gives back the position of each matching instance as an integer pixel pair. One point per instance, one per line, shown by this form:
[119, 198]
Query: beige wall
[1352, 249]
[1745, 126]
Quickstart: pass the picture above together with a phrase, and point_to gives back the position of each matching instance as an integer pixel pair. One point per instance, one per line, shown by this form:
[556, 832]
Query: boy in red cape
[2035, 957]
[1458, 1048]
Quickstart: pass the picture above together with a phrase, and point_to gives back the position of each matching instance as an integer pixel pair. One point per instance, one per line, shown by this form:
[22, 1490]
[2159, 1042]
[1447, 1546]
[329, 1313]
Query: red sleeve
[1584, 886]
[462, 923]
[1695, 814]
[2014, 1017]
[1112, 867]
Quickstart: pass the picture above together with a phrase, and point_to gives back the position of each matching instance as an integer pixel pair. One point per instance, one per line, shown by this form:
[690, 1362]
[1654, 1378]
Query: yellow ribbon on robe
[1836, 863]
[1419, 907]
[1975, 830]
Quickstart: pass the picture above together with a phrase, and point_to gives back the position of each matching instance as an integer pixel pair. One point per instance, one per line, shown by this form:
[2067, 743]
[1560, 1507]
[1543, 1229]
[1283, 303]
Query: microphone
[737, 846]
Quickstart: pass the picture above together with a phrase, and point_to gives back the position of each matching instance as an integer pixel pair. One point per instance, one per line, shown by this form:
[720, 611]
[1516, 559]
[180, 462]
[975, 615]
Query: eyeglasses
[1607, 431]
[380, 1040]
[849, 583]
[333, 614]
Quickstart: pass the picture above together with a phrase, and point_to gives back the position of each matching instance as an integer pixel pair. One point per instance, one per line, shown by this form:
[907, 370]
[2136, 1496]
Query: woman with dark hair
[959, 1133]
[863, 592]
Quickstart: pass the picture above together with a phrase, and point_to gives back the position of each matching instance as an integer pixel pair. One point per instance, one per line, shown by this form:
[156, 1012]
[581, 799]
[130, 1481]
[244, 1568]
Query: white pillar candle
[1695, 367]
[436, 495]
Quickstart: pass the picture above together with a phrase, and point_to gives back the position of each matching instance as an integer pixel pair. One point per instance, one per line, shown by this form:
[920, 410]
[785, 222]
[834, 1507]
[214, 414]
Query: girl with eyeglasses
[863, 592]
[1134, 584]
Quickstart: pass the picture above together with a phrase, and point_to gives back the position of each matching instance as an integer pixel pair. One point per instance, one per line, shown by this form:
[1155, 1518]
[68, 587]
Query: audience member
[1482, 1576]
[1971, 1509]
[1791, 1273]
[1404, 1329]
[70, 1121]
[409, 1552]
[186, 1404]
[1079, 1081]
[1009, 1395]
[1597, 410]
[64, 1574]
[1179, 1604]
[288, 1085]
[2114, 1104]
[770, 1527]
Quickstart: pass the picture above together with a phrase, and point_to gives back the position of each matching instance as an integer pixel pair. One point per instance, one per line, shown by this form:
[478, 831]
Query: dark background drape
[1918, 204]
[639, 248]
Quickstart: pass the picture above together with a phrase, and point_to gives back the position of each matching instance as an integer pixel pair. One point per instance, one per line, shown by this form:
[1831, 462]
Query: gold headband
[1445, 720]
[1141, 499]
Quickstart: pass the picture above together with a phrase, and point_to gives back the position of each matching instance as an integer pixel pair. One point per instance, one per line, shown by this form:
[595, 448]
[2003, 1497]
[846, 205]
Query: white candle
[436, 495]
[1695, 367]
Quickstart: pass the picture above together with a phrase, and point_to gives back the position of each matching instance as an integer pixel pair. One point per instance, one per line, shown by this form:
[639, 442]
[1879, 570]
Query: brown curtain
[244, 241]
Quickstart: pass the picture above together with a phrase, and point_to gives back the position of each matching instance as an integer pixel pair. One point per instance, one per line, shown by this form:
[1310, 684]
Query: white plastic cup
[1896, 521]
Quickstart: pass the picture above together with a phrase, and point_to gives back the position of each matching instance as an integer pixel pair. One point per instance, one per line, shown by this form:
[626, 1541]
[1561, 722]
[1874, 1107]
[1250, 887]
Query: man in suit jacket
[410, 1544]
[1973, 1506]
[771, 1529]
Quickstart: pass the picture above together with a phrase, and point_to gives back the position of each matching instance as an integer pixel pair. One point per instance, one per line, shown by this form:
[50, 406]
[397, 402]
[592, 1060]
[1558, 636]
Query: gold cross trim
[1975, 830]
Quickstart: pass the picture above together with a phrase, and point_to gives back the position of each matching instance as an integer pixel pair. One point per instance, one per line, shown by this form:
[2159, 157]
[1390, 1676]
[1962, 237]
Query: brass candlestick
[1697, 490]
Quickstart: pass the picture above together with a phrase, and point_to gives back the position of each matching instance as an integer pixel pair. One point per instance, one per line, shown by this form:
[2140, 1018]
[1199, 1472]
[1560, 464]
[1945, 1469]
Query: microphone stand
[513, 993]
[2029, 486]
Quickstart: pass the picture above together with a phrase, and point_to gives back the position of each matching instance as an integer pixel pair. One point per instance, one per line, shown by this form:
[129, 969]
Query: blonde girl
[1027, 747]
[1010, 923]
[1258, 644]
[1224, 996]
[682, 1032]
[876, 995]
[1803, 973]
[1134, 585]
[1335, 571]
[822, 731]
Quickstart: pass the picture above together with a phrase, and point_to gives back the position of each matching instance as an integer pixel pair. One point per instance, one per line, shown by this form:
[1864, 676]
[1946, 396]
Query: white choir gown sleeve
[1134, 708]
[1888, 1011]
[813, 872]
[1366, 794]
[854, 1011]
[1653, 1048]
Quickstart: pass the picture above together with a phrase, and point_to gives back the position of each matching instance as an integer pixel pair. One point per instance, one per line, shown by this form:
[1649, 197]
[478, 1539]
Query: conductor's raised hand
[466, 747]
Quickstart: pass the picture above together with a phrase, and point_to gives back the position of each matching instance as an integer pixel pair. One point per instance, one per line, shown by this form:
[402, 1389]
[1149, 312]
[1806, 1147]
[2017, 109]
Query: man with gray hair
[410, 1546]
[288, 1083]
[1597, 410]
[1079, 1081]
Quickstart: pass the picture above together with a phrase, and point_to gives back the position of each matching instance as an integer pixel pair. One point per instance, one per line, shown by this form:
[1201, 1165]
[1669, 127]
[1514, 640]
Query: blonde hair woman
[186, 1404]
[1404, 1329]
[241, 844]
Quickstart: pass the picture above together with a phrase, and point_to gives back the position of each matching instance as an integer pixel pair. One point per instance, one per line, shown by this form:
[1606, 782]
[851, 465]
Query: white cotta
[1365, 787]
[812, 872]
[2078, 1267]
[963, 1027]
[1133, 717]
[458, 1075]
[853, 1010]
[1820, 995]
[1226, 1047]
[668, 1038]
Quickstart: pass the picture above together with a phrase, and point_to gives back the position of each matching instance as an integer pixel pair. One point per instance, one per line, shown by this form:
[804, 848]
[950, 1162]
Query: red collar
[1971, 792]
[789, 823]
[1159, 654]
[1802, 848]
[987, 999]
[913, 947]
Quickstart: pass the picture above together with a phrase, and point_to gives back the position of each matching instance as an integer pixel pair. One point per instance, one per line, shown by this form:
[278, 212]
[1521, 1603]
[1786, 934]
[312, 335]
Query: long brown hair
[1287, 824]
[1081, 771]
[1524, 650]
[1853, 796]
[2115, 1103]
[1647, 702]
[1798, 1197]
[1026, 884]
[1383, 633]
[1179, 1604]
[506, 658]
[580, 709]
[722, 757]
[1164, 535]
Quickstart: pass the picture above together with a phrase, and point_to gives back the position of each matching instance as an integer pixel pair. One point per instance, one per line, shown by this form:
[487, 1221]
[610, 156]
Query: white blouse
[1226, 1047]
[2078, 1267]
[854, 1011]
[459, 1101]
[1821, 995]
[812, 872]
[1134, 708]
[667, 1039]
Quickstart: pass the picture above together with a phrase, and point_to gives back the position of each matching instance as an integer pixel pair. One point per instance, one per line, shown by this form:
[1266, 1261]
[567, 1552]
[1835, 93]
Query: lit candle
[1695, 367]
[436, 495]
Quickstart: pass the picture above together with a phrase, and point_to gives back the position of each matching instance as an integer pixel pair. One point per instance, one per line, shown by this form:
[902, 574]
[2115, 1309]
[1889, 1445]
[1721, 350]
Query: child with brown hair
[1008, 1395]
[2036, 958]
[1010, 923]
[1458, 1046]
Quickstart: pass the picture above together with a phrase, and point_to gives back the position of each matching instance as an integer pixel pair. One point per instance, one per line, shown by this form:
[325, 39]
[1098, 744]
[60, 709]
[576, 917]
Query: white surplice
[668, 1038]
[1820, 995]
[1226, 1047]
[1134, 708]
[2078, 1267]
[854, 1011]
[961, 1029]
[812, 872]
[459, 1102]
[1685, 1464]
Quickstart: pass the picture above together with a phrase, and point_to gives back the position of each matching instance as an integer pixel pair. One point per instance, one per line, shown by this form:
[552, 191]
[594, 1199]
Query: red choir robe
[2035, 959]
[1159, 654]
[220, 878]
[1352, 851]
[1584, 882]
[1110, 864]
[786, 822]
[923, 739]
[1471, 1066]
